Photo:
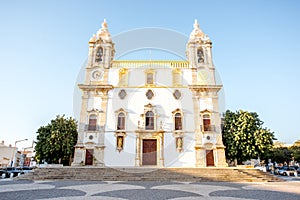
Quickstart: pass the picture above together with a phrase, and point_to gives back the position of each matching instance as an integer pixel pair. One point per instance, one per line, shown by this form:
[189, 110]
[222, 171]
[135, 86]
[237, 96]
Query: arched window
[121, 121]
[178, 121]
[206, 122]
[200, 55]
[99, 55]
[149, 120]
[92, 123]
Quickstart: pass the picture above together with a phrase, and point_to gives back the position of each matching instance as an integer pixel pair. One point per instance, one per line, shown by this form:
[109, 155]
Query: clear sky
[43, 44]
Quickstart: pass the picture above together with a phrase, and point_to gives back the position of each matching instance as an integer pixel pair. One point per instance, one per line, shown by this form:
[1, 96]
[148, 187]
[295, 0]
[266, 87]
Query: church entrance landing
[149, 152]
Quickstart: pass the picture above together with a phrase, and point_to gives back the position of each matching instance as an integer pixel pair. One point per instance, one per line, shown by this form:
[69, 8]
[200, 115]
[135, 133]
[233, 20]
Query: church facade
[150, 112]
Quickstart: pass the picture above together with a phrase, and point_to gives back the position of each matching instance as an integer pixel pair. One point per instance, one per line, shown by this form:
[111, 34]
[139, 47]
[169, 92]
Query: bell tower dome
[101, 48]
[199, 48]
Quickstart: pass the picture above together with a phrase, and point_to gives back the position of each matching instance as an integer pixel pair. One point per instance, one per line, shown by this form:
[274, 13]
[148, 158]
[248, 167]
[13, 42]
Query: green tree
[280, 154]
[244, 136]
[295, 149]
[56, 141]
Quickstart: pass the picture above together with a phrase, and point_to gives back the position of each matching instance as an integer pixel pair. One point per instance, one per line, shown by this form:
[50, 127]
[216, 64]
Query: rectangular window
[150, 79]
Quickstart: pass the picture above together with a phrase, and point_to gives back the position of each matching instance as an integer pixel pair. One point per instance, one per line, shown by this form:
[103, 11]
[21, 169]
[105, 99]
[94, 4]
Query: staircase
[151, 174]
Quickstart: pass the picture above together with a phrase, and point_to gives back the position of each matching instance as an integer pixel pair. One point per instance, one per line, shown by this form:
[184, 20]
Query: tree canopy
[56, 141]
[244, 136]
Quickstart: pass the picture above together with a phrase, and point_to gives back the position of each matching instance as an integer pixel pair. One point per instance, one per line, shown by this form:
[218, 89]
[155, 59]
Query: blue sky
[43, 45]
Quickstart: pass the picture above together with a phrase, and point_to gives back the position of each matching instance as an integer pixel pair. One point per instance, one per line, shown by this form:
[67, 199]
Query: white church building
[161, 113]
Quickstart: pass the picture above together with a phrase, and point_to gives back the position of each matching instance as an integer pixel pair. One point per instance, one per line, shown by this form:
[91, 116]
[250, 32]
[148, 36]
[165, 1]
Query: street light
[13, 155]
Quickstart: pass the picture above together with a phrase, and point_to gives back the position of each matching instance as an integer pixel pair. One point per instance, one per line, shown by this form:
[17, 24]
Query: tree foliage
[244, 136]
[56, 141]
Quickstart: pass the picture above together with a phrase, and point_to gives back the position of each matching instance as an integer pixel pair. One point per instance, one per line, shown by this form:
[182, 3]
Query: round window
[122, 94]
[149, 94]
[177, 94]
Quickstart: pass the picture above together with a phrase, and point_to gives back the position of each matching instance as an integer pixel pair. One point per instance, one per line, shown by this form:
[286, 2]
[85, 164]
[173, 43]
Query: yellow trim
[181, 64]
[151, 86]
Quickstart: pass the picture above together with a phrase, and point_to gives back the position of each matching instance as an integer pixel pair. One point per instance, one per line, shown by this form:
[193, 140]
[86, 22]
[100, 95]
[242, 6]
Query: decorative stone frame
[148, 92]
[141, 134]
[120, 140]
[120, 134]
[95, 112]
[117, 112]
[176, 93]
[151, 108]
[178, 111]
[202, 114]
[178, 134]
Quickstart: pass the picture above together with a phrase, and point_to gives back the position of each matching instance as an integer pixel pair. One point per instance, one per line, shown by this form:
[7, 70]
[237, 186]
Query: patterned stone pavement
[71, 189]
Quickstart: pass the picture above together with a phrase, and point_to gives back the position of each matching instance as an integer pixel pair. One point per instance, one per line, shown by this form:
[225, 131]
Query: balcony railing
[91, 128]
[208, 128]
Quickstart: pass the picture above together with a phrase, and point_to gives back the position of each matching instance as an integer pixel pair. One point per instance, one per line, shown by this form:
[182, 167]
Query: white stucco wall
[164, 104]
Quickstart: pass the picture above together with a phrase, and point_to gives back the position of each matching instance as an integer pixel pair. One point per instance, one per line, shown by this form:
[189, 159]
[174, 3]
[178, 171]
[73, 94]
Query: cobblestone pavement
[71, 189]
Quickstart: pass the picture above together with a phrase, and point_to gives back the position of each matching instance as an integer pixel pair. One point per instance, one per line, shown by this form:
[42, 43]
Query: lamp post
[13, 155]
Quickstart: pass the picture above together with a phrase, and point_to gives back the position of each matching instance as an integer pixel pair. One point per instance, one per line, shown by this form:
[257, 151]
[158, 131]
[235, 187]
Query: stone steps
[151, 174]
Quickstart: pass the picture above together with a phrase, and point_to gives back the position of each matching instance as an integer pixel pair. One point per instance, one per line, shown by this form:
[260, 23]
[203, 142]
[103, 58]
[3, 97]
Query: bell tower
[89, 149]
[209, 146]
[199, 48]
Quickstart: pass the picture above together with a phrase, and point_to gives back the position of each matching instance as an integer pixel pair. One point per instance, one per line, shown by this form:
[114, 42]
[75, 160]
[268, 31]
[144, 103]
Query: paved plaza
[71, 189]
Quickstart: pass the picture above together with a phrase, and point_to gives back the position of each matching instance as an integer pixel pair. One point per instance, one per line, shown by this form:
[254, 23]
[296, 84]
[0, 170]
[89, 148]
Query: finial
[196, 24]
[104, 23]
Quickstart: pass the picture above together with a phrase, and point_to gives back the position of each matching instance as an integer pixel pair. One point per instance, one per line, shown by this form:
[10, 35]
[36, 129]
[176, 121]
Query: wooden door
[210, 158]
[89, 157]
[149, 152]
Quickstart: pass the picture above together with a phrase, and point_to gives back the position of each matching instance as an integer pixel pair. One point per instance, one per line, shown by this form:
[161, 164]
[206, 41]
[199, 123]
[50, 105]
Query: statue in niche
[179, 144]
[99, 55]
[200, 56]
[119, 143]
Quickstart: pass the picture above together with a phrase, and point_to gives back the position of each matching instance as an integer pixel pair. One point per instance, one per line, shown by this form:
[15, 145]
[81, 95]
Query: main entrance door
[89, 156]
[210, 158]
[149, 152]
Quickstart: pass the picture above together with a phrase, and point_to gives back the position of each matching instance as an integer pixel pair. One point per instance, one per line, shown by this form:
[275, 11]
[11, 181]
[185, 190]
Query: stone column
[104, 98]
[197, 119]
[99, 156]
[200, 156]
[161, 151]
[78, 156]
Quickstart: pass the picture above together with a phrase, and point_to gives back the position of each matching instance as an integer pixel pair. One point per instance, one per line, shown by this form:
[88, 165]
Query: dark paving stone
[147, 194]
[148, 184]
[66, 183]
[225, 184]
[256, 194]
[40, 194]
[13, 182]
